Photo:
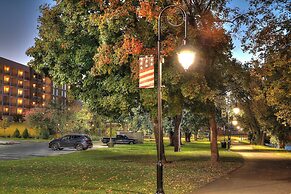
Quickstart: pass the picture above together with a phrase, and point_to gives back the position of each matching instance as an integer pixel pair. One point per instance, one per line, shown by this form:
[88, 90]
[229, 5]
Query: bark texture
[177, 133]
[213, 138]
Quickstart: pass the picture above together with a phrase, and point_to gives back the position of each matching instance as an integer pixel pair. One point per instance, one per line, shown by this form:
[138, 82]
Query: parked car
[288, 146]
[119, 139]
[77, 141]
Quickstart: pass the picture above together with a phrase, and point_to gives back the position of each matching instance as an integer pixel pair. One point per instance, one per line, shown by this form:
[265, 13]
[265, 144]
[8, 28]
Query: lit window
[6, 78]
[33, 103]
[43, 79]
[20, 73]
[33, 94]
[19, 111]
[6, 89]
[34, 76]
[20, 92]
[43, 87]
[43, 104]
[34, 85]
[19, 101]
[6, 109]
[20, 83]
[43, 96]
[6, 68]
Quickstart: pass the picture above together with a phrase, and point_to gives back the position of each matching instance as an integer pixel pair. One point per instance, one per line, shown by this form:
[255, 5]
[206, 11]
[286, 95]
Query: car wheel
[55, 147]
[79, 147]
[131, 142]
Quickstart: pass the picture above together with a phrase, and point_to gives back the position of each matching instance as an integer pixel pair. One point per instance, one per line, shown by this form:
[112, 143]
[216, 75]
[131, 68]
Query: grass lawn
[122, 169]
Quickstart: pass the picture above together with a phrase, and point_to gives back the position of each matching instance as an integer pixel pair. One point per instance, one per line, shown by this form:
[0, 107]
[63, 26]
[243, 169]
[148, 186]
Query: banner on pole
[146, 72]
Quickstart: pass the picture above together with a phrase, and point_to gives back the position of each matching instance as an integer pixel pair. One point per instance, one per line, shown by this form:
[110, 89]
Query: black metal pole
[160, 189]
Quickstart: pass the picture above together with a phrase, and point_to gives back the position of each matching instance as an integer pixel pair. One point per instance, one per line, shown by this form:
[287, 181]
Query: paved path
[14, 150]
[262, 173]
[28, 149]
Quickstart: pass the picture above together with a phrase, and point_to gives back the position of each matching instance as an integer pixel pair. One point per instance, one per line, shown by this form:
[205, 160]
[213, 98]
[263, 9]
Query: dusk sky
[18, 28]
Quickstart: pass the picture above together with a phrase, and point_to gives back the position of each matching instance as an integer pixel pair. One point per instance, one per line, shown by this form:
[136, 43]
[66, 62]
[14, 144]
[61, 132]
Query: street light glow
[186, 56]
[236, 110]
[234, 122]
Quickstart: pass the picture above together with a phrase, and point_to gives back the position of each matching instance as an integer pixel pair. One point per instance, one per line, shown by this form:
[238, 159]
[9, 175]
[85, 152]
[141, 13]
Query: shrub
[44, 134]
[274, 140]
[16, 133]
[25, 133]
[95, 138]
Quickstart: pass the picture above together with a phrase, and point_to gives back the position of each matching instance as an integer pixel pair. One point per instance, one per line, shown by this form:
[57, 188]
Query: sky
[18, 28]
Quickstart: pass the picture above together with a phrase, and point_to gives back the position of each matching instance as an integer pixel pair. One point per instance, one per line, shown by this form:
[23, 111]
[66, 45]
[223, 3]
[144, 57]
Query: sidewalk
[262, 173]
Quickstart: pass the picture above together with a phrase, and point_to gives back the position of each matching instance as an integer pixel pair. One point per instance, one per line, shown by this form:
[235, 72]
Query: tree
[214, 45]
[192, 122]
[94, 47]
[25, 133]
[16, 133]
[267, 36]
[41, 119]
[4, 124]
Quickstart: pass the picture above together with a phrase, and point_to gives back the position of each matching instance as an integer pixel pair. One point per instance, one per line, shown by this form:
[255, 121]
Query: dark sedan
[77, 141]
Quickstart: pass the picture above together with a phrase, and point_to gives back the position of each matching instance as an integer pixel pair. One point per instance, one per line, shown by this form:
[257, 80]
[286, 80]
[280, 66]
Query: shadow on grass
[260, 150]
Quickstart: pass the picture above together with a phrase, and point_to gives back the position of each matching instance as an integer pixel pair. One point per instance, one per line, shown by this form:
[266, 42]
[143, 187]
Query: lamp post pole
[160, 189]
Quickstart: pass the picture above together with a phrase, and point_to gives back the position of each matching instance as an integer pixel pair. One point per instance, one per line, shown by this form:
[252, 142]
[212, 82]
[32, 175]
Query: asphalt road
[29, 149]
[262, 173]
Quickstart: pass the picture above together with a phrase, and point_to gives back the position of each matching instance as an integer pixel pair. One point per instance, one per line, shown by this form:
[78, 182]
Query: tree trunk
[260, 138]
[213, 136]
[156, 133]
[171, 138]
[177, 133]
[188, 136]
[195, 135]
[263, 138]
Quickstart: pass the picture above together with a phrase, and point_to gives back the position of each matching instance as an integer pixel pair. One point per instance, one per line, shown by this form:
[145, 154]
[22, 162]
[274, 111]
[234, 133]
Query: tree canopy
[94, 46]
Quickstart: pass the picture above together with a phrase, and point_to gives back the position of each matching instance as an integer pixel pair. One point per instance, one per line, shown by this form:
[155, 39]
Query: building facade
[22, 89]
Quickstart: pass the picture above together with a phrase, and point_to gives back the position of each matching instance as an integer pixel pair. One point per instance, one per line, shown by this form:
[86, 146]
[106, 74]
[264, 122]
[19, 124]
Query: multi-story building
[22, 88]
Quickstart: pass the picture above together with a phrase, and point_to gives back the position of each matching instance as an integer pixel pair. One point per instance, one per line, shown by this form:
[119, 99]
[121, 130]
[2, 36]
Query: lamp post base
[160, 189]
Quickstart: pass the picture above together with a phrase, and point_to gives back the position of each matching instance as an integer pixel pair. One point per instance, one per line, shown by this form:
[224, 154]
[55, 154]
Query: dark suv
[77, 141]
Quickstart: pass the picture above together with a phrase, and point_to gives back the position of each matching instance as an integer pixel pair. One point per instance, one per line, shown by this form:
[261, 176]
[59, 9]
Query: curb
[8, 142]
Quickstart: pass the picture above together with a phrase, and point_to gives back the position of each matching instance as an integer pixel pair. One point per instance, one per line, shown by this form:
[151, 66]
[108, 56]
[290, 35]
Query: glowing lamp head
[186, 56]
[234, 122]
[236, 110]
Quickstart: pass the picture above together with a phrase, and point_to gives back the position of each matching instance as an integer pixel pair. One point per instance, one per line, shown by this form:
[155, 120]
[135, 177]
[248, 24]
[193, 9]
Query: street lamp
[236, 111]
[234, 122]
[186, 58]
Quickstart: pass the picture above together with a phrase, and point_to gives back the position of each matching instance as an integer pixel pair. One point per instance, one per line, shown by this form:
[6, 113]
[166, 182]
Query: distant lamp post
[236, 111]
[234, 122]
[186, 58]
